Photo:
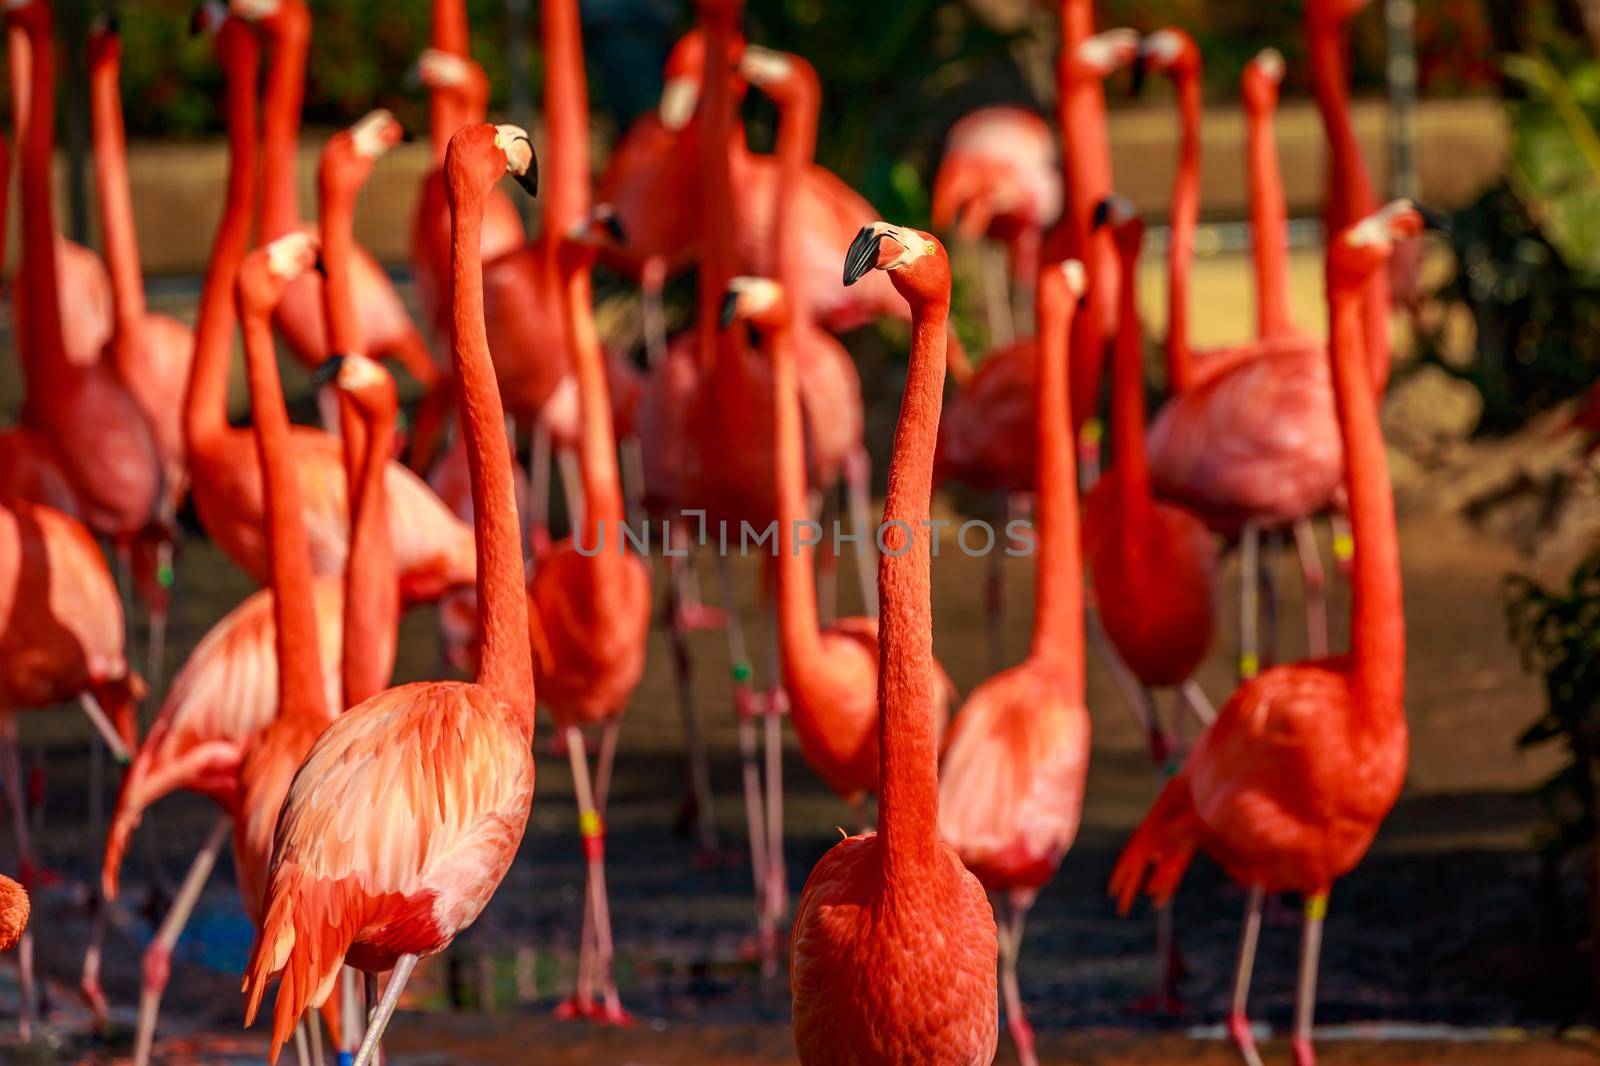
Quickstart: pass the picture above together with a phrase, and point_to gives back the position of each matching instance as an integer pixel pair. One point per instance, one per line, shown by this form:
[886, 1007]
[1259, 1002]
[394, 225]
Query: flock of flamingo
[371, 824]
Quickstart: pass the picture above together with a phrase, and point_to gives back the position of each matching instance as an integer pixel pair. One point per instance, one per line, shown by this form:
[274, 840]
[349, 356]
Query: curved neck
[300, 691]
[908, 798]
[1086, 177]
[372, 593]
[44, 353]
[1058, 587]
[1127, 398]
[505, 665]
[290, 31]
[597, 457]
[450, 32]
[716, 248]
[112, 191]
[205, 413]
[798, 625]
[566, 109]
[795, 149]
[19, 57]
[1377, 614]
[1185, 219]
[337, 227]
[1269, 224]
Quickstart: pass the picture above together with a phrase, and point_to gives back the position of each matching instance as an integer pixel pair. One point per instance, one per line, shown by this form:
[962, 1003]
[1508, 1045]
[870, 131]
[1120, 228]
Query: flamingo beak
[1102, 214]
[529, 179]
[328, 370]
[613, 226]
[730, 308]
[862, 256]
[1141, 69]
[1434, 220]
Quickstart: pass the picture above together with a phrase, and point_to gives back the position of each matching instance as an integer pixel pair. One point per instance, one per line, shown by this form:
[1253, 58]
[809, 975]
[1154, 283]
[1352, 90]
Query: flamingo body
[986, 437]
[588, 643]
[14, 910]
[30, 472]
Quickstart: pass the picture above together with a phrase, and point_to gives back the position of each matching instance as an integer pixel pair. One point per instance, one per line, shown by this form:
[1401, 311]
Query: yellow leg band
[1249, 664]
[1344, 547]
[590, 824]
[1316, 908]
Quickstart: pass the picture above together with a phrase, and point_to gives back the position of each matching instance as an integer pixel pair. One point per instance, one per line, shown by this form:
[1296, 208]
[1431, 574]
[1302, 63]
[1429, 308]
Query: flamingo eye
[928, 249]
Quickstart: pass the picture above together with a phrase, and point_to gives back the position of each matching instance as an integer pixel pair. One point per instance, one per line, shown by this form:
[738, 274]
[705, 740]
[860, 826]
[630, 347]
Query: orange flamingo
[1288, 787]
[892, 958]
[151, 353]
[1269, 209]
[1000, 177]
[14, 909]
[1011, 788]
[389, 331]
[433, 548]
[589, 617]
[61, 640]
[95, 428]
[409, 809]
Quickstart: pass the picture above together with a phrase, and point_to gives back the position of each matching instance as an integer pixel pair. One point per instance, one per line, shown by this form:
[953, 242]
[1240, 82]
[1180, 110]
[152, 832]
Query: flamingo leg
[572, 486]
[1305, 542]
[858, 497]
[592, 826]
[631, 471]
[302, 1051]
[997, 298]
[539, 491]
[314, 1027]
[678, 620]
[1271, 556]
[602, 787]
[1238, 1020]
[385, 1008]
[1305, 996]
[777, 876]
[89, 980]
[827, 568]
[17, 801]
[108, 732]
[349, 1012]
[581, 1003]
[652, 312]
[1195, 698]
[155, 659]
[1249, 601]
[1133, 694]
[158, 956]
[994, 590]
[1016, 908]
[744, 705]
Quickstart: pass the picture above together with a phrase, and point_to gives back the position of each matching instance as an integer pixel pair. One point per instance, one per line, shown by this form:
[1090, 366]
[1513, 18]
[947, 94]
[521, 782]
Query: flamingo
[433, 548]
[589, 616]
[388, 328]
[151, 353]
[94, 426]
[1288, 787]
[1011, 787]
[1269, 211]
[61, 640]
[87, 304]
[892, 957]
[14, 909]
[1000, 177]
[830, 675]
[409, 809]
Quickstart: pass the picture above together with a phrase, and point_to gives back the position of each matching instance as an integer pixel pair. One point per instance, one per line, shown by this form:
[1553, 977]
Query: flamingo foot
[1304, 1053]
[1244, 1038]
[1022, 1036]
[94, 998]
[696, 617]
[612, 1014]
[577, 1007]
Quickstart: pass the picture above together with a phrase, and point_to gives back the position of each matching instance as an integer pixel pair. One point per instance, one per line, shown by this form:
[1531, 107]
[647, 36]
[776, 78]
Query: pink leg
[592, 826]
[858, 497]
[1016, 908]
[1305, 541]
[385, 1009]
[539, 492]
[158, 956]
[744, 705]
[1238, 1021]
[1305, 996]
[682, 668]
[827, 569]
[15, 798]
[777, 875]
[994, 613]
[652, 312]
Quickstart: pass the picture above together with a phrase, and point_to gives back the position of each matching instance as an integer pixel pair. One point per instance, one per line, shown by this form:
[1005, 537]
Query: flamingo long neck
[1377, 618]
[290, 30]
[597, 457]
[716, 249]
[337, 231]
[300, 691]
[907, 738]
[1058, 588]
[450, 32]
[798, 625]
[1185, 219]
[113, 193]
[505, 664]
[1127, 399]
[19, 57]
[1269, 223]
[446, 105]
[372, 593]
[44, 353]
[205, 414]
[1351, 195]
[566, 108]
[796, 147]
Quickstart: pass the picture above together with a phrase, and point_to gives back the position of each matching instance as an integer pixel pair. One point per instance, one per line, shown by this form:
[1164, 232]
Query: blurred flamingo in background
[1288, 787]
[1269, 210]
[14, 909]
[893, 952]
[430, 784]
[1011, 787]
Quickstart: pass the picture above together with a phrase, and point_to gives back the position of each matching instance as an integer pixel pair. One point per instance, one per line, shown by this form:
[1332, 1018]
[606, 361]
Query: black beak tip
[529, 179]
[1434, 220]
[1102, 213]
[613, 226]
[328, 370]
[1141, 69]
[862, 256]
[730, 309]
[197, 20]
[319, 266]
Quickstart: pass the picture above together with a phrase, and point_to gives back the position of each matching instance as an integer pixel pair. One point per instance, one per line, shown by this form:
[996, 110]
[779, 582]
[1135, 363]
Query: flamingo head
[256, 10]
[364, 380]
[784, 77]
[1261, 79]
[760, 303]
[208, 18]
[104, 45]
[375, 133]
[1064, 282]
[1103, 54]
[1122, 216]
[348, 156]
[1169, 51]
[1367, 245]
[685, 73]
[596, 231]
[521, 163]
[267, 271]
[914, 260]
[437, 69]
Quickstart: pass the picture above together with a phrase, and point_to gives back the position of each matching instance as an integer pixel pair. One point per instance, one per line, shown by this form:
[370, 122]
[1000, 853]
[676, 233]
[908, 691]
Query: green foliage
[1555, 155]
[1558, 631]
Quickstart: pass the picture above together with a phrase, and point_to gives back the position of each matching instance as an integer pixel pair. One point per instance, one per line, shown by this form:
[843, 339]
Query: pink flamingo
[1011, 787]
[1288, 787]
[409, 809]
